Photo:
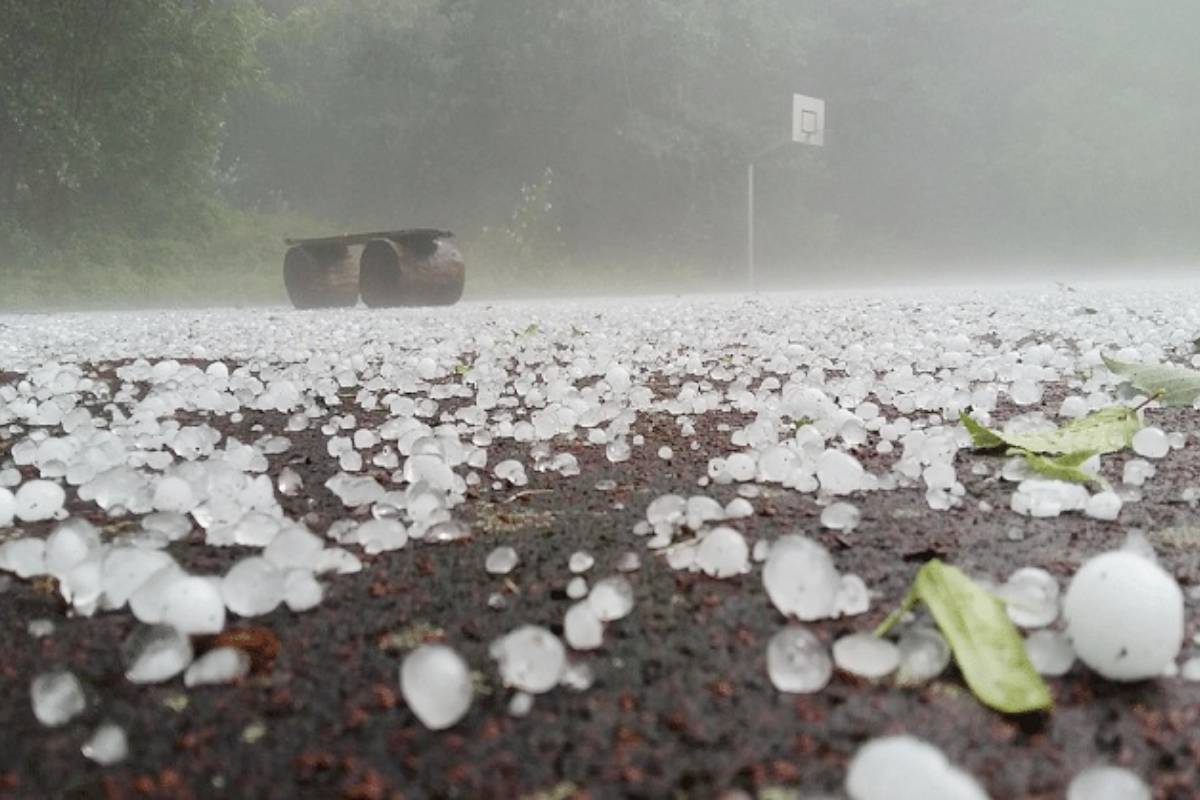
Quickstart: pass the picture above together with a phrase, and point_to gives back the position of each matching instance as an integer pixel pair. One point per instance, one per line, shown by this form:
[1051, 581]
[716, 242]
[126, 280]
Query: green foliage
[111, 117]
[1063, 468]
[982, 436]
[1165, 383]
[1058, 453]
[111, 111]
[987, 647]
[236, 260]
[1105, 431]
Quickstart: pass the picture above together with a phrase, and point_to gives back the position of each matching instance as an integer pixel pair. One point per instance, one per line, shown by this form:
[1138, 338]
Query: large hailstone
[294, 547]
[150, 598]
[172, 493]
[156, 653]
[612, 598]
[125, 569]
[25, 556]
[1124, 616]
[907, 768]
[57, 697]
[71, 542]
[530, 658]
[380, 535]
[107, 746]
[436, 684]
[1050, 652]
[801, 579]
[253, 587]
[38, 500]
[582, 628]
[866, 655]
[839, 473]
[797, 661]
[194, 604]
[501, 561]
[1030, 597]
[924, 655]
[723, 553]
[302, 591]
[219, 665]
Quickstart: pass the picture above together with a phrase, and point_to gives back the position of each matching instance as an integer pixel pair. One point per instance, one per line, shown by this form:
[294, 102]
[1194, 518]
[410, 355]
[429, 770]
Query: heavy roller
[411, 267]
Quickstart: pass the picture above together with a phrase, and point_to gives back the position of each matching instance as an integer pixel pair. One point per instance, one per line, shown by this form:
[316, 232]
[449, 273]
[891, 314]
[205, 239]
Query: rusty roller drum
[321, 276]
[411, 271]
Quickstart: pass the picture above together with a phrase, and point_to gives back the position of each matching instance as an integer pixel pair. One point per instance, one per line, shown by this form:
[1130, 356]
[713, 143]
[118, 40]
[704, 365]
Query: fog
[583, 145]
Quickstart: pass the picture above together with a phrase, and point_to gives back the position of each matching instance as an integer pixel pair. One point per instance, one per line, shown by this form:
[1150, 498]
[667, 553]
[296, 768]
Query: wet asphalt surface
[681, 705]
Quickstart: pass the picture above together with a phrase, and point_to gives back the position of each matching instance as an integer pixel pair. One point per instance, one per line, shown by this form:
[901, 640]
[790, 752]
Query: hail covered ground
[637, 547]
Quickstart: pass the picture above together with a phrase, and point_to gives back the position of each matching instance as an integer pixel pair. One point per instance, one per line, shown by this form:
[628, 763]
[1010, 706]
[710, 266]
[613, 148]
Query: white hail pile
[840, 397]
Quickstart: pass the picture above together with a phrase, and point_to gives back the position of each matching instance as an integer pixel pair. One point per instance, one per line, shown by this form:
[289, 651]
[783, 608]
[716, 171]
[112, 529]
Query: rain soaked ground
[552, 428]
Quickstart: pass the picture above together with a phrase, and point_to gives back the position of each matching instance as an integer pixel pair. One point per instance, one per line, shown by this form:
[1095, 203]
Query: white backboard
[808, 120]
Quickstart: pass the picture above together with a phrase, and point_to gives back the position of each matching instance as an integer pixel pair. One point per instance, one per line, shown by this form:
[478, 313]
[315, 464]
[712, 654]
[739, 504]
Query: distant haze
[566, 138]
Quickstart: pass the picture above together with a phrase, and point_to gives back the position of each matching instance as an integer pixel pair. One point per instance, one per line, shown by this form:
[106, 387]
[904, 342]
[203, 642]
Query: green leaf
[981, 436]
[987, 647]
[1106, 431]
[1063, 468]
[1168, 384]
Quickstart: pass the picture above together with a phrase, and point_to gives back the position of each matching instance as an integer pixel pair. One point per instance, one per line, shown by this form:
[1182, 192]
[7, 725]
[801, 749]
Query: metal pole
[750, 223]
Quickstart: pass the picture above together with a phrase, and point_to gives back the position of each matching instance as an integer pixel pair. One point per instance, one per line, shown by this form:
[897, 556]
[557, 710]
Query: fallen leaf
[1105, 431]
[1064, 468]
[1168, 384]
[988, 649]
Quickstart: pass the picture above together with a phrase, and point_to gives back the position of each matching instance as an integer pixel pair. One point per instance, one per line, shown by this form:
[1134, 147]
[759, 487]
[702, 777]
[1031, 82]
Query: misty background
[158, 151]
